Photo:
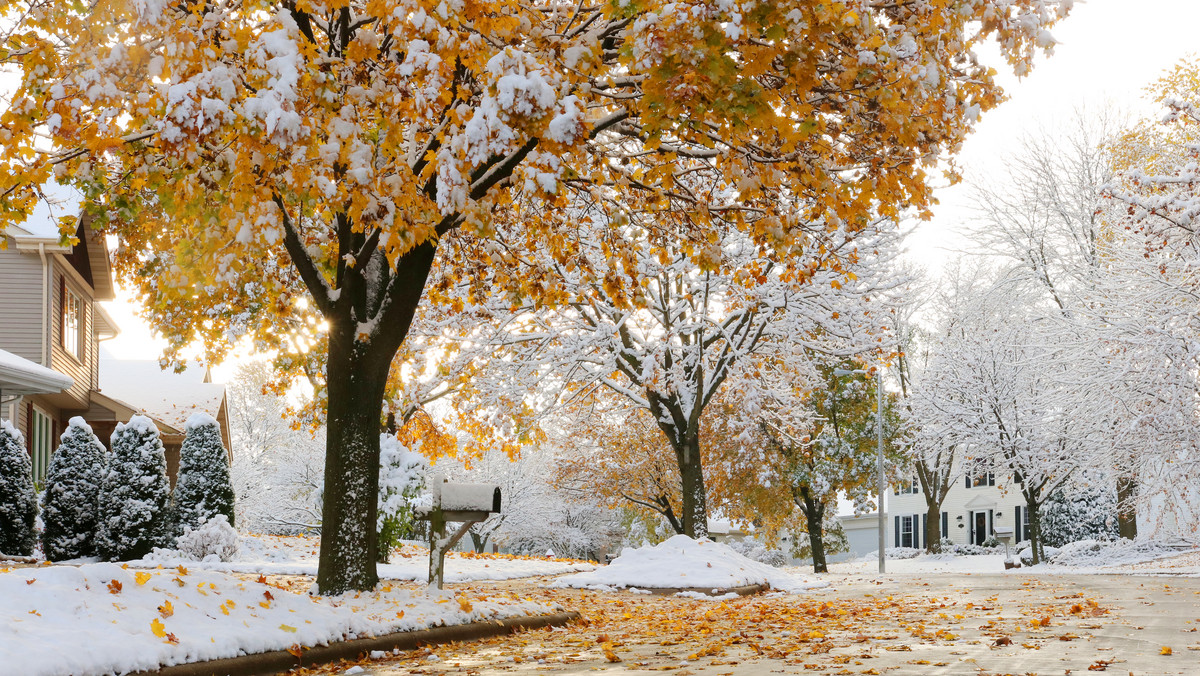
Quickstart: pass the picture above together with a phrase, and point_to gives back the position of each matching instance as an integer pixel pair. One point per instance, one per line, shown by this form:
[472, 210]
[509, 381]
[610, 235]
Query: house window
[72, 322]
[40, 444]
[910, 487]
[906, 531]
[981, 478]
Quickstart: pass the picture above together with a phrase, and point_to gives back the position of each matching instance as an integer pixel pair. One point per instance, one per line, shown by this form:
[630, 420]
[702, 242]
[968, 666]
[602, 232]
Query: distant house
[975, 506]
[51, 326]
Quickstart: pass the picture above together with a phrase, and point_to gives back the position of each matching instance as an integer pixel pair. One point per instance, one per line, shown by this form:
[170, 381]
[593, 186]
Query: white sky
[1109, 50]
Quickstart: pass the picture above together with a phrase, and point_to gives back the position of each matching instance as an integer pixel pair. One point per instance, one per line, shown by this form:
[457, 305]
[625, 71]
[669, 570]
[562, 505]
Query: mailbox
[467, 504]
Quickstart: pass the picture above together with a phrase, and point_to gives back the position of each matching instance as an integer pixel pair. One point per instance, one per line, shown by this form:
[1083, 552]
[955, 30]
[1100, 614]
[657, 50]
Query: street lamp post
[879, 454]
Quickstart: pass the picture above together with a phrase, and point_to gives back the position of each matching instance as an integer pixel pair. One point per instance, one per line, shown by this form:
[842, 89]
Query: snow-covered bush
[203, 489]
[215, 539]
[401, 479]
[135, 494]
[1026, 554]
[70, 504]
[18, 501]
[1089, 514]
[973, 549]
[757, 551]
[901, 553]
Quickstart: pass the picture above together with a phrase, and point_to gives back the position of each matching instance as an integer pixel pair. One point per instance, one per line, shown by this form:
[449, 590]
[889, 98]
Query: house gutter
[45, 302]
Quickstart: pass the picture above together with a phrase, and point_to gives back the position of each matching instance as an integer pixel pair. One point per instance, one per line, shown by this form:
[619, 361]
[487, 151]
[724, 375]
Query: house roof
[40, 231]
[19, 376]
[163, 395]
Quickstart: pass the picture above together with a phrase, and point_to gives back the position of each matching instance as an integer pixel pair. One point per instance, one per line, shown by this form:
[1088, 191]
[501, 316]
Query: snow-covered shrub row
[972, 550]
[119, 505]
[18, 501]
[901, 553]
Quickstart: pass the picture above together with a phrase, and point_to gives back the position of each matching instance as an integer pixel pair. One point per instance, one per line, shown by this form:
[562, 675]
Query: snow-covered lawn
[100, 618]
[297, 555]
[684, 562]
[1080, 558]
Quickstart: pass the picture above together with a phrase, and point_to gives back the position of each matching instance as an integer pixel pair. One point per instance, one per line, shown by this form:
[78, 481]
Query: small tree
[135, 493]
[18, 501]
[401, 479]
[204, 489]
[70, 504]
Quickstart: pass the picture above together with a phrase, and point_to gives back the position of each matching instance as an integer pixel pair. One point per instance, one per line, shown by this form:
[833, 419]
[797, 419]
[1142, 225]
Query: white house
[975, 506]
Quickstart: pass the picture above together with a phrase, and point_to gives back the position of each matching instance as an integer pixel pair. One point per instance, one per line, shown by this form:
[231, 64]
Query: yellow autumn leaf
[166, 609]
[158, 628]
[288, 628]
[1166, 650]
[141, 577]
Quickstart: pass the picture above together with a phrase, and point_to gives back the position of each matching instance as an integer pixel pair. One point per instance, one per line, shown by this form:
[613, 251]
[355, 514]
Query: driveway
[901, 624]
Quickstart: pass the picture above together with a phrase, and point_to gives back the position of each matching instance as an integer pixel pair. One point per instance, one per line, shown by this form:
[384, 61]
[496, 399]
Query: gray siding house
[51, 319]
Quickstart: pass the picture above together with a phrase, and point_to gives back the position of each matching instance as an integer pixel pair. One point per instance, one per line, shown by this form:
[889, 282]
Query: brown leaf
[114, 587]
[1003, 640]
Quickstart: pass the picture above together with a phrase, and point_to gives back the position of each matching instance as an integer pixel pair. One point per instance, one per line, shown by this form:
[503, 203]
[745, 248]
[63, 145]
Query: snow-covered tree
[324, 152]
[810, 436]
[277, 469]
[71, 502]
[697, 319]
[135, 494]
[18, 501]
[203, 489]
[401, 480]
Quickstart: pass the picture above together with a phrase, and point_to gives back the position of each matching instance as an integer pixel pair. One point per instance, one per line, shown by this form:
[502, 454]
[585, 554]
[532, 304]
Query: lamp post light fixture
[879, 452]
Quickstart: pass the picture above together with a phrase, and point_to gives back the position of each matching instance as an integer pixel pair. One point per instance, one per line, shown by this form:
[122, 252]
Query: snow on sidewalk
[684, 562]
[101, 618]
[297, 555]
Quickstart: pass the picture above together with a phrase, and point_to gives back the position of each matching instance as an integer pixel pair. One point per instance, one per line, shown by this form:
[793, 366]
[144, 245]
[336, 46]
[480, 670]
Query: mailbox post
[467, 504]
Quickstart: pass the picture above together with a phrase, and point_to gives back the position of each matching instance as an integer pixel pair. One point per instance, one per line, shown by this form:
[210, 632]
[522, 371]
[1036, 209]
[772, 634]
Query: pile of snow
[1098, 553]
[684, 562]
[118, 620]
[298, 554]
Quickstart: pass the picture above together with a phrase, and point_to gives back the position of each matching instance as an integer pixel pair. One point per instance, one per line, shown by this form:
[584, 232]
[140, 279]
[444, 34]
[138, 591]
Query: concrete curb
[278, 661]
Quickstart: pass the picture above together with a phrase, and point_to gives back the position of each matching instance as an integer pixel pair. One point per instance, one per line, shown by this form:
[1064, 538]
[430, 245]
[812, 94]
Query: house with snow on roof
[51, 326]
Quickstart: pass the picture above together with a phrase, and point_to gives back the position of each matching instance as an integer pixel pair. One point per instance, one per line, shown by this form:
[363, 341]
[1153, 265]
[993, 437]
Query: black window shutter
[968, 481]
[896, 542]
[945, 525]
[924, 539]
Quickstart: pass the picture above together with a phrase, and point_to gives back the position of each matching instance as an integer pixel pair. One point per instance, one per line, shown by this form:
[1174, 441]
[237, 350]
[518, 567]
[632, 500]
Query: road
[936, 624]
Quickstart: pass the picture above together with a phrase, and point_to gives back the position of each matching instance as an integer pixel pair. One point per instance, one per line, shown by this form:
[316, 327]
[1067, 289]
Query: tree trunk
[933, 525]
[1126, 513]
[814, 515]
[695, 499]
[1035, 532]
[356, 379]
[478, 541]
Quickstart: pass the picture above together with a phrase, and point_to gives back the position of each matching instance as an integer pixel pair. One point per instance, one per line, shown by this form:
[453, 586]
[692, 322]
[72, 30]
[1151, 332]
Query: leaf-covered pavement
[986, 624]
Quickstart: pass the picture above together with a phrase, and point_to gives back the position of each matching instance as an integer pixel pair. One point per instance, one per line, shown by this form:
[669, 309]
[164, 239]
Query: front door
[980, 530]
